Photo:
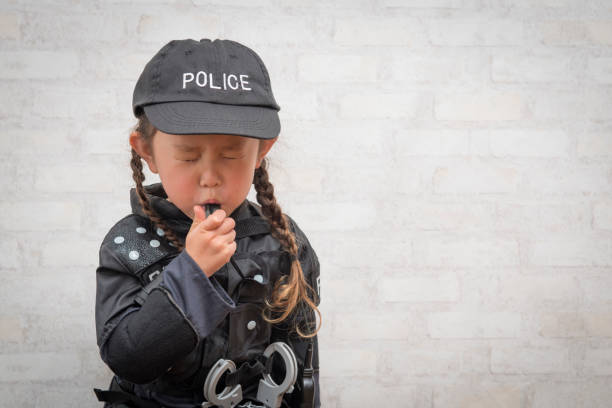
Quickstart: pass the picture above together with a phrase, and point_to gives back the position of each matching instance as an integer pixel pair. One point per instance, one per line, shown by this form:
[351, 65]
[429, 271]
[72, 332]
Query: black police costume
[161, 323]
[160, 334]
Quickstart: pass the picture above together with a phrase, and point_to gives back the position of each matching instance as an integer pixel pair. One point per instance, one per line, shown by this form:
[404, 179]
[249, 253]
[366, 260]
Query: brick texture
[449, 160]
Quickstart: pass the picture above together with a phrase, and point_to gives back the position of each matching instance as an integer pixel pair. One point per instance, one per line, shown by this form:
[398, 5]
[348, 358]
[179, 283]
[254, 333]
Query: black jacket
[161, 323]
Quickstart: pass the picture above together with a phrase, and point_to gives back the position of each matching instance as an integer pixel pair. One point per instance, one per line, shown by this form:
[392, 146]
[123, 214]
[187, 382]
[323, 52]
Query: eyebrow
[189, 148]
[186, 148]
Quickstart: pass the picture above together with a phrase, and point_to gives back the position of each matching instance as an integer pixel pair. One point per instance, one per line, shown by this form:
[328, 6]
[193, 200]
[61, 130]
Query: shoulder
[306, 253]
[308, 259]
[133, 243]
[300, 236]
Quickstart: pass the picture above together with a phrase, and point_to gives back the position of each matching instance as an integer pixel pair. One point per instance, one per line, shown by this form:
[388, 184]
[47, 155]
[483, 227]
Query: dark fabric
[248, 372]
[164, 343]
[117, 397]
[149, 340]
[196, 87]
[203, 300]
[257, 226]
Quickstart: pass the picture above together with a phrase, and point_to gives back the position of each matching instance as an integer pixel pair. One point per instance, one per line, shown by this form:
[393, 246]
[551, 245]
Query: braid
[147, 131]
[292, 292]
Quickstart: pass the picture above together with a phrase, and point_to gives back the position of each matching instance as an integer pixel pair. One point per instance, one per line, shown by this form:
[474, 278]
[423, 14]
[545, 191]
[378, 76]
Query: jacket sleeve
[143, 331]
[311, 268]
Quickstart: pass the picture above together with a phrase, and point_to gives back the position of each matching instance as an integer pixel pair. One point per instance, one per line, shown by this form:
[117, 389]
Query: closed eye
[223, 157]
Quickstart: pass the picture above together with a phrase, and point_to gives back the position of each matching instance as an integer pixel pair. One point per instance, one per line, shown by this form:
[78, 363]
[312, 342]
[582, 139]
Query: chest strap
[247, 227]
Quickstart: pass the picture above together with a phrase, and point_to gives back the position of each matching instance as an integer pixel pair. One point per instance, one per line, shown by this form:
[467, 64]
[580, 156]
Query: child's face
[196, 168]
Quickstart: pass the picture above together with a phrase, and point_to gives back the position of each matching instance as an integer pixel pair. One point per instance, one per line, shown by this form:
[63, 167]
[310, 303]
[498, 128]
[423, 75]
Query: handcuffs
[268, 392]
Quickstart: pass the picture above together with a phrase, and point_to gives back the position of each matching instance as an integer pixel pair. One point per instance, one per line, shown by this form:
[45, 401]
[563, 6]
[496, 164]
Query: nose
[209, 177]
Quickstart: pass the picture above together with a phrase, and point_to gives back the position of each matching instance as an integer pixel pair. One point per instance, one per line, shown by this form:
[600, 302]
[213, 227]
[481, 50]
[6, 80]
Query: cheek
[241, 179]
[243, 175]
[177, 179]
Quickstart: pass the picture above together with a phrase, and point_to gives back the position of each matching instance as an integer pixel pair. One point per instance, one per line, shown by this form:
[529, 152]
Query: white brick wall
[449, 160]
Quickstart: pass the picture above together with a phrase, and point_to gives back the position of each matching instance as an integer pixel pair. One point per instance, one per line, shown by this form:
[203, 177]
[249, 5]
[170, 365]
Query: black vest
[261, 262]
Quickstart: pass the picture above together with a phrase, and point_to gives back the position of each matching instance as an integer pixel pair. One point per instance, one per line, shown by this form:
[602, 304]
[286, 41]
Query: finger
[226, 226]
[231, 248]
[214, 220]
[199, 214]
[198, 217]
[229, 237]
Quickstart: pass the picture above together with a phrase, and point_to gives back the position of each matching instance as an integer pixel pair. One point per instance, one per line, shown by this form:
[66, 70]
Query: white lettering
[207, 79]
[242, 82]
[185, 76]
[229, 79]
[211, 83]
[203, 75]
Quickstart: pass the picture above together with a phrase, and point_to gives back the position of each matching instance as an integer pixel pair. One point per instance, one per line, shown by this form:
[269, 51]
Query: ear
[264, 148]
[143, 150]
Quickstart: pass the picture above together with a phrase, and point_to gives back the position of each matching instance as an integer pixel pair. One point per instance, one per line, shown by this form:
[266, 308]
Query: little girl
[205, 298]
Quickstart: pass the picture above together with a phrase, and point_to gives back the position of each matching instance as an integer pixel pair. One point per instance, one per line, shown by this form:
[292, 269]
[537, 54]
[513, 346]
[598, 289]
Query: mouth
[211, 201]
[210, 207]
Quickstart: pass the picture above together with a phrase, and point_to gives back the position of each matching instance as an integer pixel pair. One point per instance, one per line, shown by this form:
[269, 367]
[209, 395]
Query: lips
[211, 201]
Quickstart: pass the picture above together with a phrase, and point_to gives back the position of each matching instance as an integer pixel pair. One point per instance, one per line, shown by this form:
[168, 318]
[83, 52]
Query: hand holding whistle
[211, 238]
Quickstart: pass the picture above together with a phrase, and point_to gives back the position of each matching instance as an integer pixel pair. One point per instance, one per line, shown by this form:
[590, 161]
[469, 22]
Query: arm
[143, 331]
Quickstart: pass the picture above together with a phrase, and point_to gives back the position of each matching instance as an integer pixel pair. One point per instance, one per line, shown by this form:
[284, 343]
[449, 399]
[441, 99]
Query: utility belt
[269, 393]
[120, 398]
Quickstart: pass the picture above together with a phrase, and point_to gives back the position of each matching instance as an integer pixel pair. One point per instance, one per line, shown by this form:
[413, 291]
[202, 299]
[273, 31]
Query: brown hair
[291, 292]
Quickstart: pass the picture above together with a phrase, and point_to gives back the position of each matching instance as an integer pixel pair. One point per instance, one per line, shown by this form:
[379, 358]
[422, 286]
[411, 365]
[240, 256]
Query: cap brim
[187, 118]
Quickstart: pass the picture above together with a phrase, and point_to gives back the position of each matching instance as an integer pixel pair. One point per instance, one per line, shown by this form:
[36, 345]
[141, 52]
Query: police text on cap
[203, 79]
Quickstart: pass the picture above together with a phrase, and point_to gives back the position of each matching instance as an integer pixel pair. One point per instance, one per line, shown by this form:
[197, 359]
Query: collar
[171, 214]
